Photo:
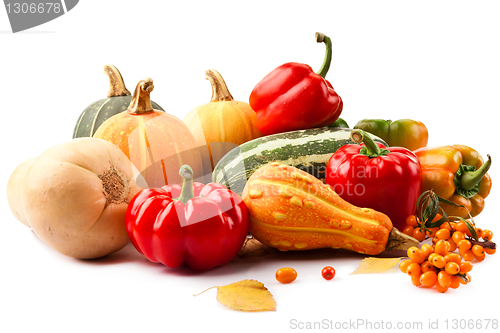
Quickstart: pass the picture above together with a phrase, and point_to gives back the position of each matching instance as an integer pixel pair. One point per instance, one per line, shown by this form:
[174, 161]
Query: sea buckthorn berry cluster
[470, 246]
[415, 229]
[435, 266]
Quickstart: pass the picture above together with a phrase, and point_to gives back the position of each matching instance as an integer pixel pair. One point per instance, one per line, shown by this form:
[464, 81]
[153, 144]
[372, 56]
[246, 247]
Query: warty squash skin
[223, 123]
[157, 143]
[75, 196]
[292, 210]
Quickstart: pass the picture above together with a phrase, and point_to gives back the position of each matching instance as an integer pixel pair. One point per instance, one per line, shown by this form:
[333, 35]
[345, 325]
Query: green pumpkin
[118, 100]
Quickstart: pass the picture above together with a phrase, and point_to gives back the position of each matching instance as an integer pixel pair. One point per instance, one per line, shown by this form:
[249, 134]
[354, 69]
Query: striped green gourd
[308, 150]
[117, 101]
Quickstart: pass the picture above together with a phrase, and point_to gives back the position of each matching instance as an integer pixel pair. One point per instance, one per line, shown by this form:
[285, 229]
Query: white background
[435, 61]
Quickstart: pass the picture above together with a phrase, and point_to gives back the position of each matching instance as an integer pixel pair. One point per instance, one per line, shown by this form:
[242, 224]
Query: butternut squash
[14, 187]
[75, 196]
[292, 210]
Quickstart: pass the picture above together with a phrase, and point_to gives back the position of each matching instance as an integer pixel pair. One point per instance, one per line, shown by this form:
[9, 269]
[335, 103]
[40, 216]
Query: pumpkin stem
[116, 84]
[400, 241]
[187, 191]
[321, 38]
[220, 92]
[141, 103]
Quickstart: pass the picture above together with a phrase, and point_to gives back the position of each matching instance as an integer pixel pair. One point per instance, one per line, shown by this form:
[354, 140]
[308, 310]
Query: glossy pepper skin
[204, 227]
[370, 175]
[294, 97]
[458, 174]
[407, 133]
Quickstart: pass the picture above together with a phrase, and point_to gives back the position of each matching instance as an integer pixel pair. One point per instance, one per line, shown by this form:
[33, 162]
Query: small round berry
[458, 236]
[412, 221]
[478, 250]
[443, 234]
[465, 266]
[428, 279]
[286, 275]
[452, 268]
[487, 235]
[328, 273]
[413, 269]
[444, 279]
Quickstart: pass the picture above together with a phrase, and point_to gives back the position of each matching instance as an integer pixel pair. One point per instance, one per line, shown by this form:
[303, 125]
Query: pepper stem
[471, 178]
[116, 84]
[371, 149]
[187, 183]
[321, 38]
[220, 92]
[141, 102]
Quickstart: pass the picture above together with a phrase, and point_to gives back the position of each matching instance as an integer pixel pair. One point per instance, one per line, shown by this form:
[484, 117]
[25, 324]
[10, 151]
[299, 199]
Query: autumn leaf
[375, 265]
[245, 295]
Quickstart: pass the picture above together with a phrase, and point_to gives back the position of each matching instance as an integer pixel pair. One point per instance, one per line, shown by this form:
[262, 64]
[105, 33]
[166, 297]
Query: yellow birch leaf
[245, 295]
[375, 265]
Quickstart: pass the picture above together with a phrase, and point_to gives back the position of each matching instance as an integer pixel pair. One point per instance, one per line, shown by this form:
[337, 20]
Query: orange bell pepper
[458, 174]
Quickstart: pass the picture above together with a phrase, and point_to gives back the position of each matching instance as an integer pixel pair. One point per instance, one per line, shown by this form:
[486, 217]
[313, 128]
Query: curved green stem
[321, 38]
[371, 149]
[187, 183]
[472, 178]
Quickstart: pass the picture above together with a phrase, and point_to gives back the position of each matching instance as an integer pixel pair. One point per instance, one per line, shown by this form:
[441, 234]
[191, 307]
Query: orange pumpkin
[157, 143]
[222, 124]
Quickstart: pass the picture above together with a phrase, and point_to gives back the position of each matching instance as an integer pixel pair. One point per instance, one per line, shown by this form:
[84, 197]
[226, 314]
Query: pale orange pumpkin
[157, 143]
[223, 123]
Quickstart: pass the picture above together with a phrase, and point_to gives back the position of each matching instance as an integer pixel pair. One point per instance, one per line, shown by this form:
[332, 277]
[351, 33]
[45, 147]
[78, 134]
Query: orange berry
[431, 256]
[453, 257]
[442, 247]
[443, 234]
[408, 230]
[441, 289]
[446, 226]
[453, 245]
[490, 251]
[286, 275]
[427, 266]
[467, 255]
[403, 265]
[452, 268]
[458, 236]
[487, 235]
[439, 261]
[418, 234]
[413, 269]
[444, 279]
[479, 232]
[428, 279]
[461, 226]
[465, 266]
[455, 282]
[464, 245]
[412, 220]
[431, 232]
[478, 250]
[426, 249]
[480, 258]
[416, 281]
[416, 255]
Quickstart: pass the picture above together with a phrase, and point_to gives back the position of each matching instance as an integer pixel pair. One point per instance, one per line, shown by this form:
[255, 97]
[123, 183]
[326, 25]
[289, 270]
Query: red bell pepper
[204, 227]
[370, 175]
[293, 97]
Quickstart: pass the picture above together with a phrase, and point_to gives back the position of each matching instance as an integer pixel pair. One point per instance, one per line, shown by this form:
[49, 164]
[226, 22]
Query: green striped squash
[117, 101]
[308, 150]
